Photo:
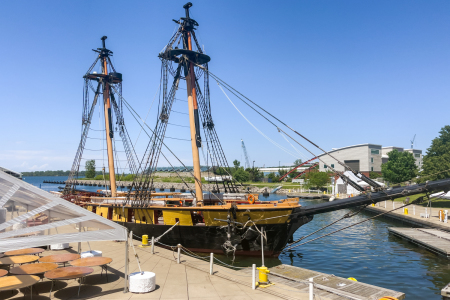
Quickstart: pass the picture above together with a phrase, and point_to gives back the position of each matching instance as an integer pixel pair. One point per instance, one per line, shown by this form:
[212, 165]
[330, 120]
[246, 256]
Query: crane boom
[412, 141]
[247, 163]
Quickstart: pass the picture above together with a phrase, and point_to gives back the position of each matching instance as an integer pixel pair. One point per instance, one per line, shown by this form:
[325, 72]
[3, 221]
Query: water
[366, 252]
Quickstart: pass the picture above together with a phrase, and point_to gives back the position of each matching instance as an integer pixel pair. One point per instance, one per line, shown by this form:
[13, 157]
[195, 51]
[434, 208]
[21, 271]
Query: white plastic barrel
[142, 283]
[91, 253]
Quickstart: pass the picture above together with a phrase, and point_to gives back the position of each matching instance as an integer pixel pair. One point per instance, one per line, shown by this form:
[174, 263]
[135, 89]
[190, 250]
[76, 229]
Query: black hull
[209, 239]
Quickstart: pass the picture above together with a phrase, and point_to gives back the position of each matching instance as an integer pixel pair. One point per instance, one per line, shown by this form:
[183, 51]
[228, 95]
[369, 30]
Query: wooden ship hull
[205, 229]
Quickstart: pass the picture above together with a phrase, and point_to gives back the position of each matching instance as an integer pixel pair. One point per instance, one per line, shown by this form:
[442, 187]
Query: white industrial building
[415, 152]
[364, 158]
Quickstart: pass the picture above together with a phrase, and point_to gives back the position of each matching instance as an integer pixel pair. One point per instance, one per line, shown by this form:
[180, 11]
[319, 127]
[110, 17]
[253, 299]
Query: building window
[371, 169]
[374, 151]
[371, 159]
[332, 165]
[416, 155]
[325, 166]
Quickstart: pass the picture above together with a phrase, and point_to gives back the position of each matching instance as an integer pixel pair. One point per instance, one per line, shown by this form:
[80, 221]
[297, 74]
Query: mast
[193, 108]
[108, 118]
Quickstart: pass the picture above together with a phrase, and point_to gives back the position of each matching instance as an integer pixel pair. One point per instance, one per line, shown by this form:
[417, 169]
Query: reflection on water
[366, 252]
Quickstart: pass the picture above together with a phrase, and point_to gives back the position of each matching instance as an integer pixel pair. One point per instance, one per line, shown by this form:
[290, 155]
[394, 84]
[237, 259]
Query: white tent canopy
[31, 217]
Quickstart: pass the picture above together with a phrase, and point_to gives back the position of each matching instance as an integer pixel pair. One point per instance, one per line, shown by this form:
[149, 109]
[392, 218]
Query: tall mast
[193, 108]
[108, 120]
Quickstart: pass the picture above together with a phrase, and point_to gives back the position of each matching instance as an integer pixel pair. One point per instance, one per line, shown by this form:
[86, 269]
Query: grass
[440, 203]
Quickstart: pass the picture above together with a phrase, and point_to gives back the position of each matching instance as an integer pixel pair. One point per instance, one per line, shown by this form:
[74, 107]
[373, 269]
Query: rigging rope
[259, 131]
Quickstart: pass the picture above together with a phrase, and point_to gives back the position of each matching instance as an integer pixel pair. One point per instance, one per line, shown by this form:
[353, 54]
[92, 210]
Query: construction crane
[412, 142]
[247, 163]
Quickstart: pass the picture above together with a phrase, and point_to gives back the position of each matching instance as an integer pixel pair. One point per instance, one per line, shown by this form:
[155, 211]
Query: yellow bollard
[145, 240]
[264, 277]
[337, 195]
[289, 191]
[324, 192]
[373, 204]
[351, 278]
[406, 210]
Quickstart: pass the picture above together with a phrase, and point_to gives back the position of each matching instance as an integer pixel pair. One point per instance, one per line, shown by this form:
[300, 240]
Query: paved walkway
[413, 217]
[188, 280]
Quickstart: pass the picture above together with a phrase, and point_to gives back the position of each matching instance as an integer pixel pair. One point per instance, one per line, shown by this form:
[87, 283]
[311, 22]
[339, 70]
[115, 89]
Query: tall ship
[221, 217]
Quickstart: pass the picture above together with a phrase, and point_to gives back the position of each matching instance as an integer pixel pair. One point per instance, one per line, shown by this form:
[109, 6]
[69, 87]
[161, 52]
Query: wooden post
[192, 103]
[107, 105]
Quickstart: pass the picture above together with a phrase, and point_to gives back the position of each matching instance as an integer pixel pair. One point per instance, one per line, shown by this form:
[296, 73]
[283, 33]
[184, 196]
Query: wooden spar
[109, 146]
[192, 103]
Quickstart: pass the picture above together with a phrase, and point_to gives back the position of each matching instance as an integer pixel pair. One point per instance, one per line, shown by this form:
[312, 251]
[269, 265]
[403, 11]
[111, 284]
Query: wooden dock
[431, 239]
[326, 285]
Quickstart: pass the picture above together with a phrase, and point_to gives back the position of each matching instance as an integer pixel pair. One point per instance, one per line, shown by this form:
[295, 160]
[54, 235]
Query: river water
[366, 252]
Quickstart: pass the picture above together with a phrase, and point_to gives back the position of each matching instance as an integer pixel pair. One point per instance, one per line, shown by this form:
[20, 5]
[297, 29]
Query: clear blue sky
[340, 72]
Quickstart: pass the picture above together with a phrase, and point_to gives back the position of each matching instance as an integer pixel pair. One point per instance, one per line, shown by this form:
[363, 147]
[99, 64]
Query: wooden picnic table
[67, 273]
[3, 272]
[27, 251]
[33, 269]
[59, 258]
[20, 259]
[95, 261]
[9, 283]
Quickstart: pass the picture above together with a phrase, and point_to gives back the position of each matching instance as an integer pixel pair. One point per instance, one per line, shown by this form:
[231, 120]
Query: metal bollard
[384, 204]
[145, 240]
[311, 289]
[179, 253]
[211, 263]
[253, 276]
[414, 210]
[445, 216]
[393, 204]
[153, 245]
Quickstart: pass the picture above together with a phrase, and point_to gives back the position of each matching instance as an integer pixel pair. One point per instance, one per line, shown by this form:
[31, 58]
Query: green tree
[297, 162]
[282, 172]
[374, 175]
[90, 168]
[255, 174]
[318, 179]
[241, 175]
[437, 158]
[273, 177]
[400, 167]
[293, 174]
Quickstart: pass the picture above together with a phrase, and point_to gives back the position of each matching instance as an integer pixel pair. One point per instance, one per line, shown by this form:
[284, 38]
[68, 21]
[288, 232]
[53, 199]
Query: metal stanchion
[125, 288]
[153, 245]
[179, 253]
[311, 289]
[211, 263]
[253, 276]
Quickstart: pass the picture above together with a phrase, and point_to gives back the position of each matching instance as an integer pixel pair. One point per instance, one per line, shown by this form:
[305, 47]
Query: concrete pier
[191, 279]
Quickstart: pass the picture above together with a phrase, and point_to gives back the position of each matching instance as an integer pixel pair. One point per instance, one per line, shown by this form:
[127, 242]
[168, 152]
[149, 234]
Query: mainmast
[104, 54]
[192, 103]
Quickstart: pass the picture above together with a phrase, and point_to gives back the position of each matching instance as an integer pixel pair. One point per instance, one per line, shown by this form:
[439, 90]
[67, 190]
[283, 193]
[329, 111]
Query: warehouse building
[415, 152]
[364, 158]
